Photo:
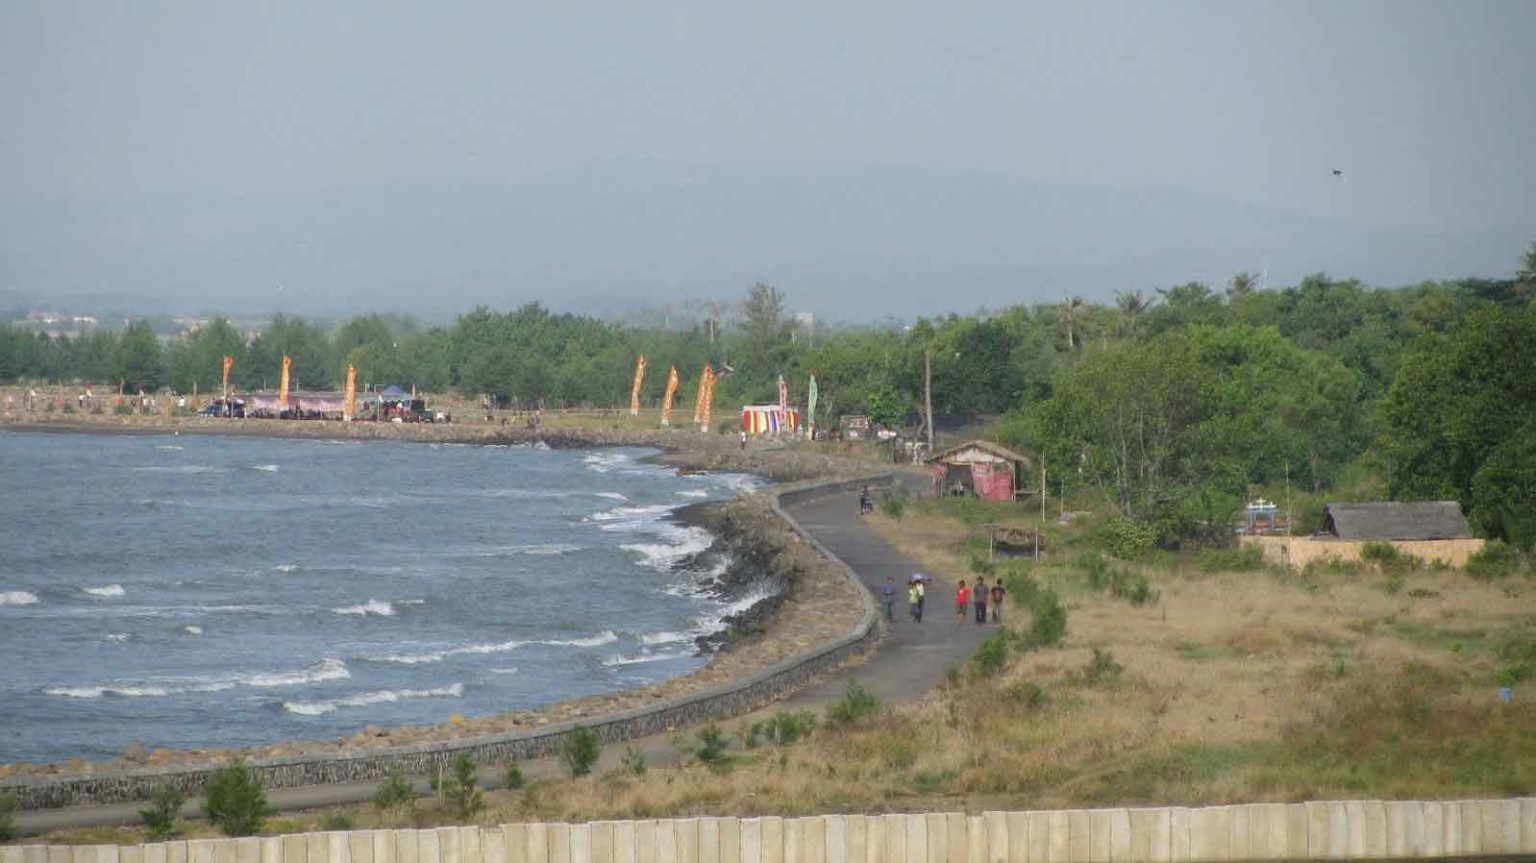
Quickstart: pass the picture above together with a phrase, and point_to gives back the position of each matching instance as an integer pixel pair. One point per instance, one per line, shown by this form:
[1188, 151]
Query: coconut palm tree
[1133, 304]
[1241, 285]
[1071, 311]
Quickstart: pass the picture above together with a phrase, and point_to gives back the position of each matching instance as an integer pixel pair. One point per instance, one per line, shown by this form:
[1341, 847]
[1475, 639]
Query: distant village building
[1431, 530]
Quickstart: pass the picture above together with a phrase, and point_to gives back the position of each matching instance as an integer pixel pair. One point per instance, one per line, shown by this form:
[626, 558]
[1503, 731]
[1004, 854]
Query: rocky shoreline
[764, 554]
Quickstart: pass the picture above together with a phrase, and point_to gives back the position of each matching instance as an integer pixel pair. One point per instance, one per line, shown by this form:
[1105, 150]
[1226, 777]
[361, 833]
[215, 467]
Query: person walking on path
[997, 600]
[962, 601]
[888, 595]
[915, 600]
[743, 440]
[979, 597]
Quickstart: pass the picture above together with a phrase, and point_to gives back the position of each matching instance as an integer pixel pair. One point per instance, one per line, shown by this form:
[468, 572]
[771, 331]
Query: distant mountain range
[849, 244]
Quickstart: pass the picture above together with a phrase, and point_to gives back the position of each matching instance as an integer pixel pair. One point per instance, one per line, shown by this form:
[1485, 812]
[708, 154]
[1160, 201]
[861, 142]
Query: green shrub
[712, 743]
[982, 566]
[1021, 585]
[459, 789]
[991, 655]
[8, 807]
[1128, 538]
[1102, 668]
[786, 727]
[234, 801]
[512, 777]
[856, 705]
[1495, 560]
[1028, 694]
[1132, 587]
[579, 749]
[893, 501]
[123, 410]
[336, 821]
[160, 816]
[1050, 620]
[394, 792]
[1096, 568]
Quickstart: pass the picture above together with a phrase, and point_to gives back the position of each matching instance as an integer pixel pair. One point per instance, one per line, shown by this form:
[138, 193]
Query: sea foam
[17, 597]
[363, 699]
[372, 606]
[107, 592]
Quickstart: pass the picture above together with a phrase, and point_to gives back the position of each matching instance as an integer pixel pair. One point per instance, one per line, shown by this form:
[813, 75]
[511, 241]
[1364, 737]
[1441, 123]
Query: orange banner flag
[349, 397]
[666, 401]
[709, 399]
[634, 392]
[698, 398]
[229, 363]
[282, 386]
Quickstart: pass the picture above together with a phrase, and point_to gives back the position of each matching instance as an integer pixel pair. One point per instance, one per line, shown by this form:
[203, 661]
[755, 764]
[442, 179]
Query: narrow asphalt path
[909, 662]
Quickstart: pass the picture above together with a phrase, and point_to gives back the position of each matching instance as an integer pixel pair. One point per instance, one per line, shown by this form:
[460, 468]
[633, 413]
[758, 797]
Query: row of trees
[1169, 404]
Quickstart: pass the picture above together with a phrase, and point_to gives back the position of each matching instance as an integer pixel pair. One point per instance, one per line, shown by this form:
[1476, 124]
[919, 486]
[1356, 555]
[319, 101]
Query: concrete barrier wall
[1334, 830]
[729, 699]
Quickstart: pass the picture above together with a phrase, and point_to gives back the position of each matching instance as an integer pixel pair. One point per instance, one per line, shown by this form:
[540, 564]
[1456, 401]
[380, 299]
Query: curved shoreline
[732, 682]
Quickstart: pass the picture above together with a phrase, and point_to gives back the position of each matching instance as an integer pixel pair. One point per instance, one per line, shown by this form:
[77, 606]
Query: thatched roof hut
[985, 469]
[1396, 521]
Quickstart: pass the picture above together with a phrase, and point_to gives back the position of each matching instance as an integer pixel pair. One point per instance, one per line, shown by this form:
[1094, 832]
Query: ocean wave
[128, 690]
[607, 636]
[364, 699]
[192, 630]
[285, 568]
[614, 661]
[508, 670]
[269, 468]
[611, 495]
[325, 670]
[106, 592]
[183, 468]
[17, 597]
[663, 556]
[117, 638]
[169, 448]
[372, 606]
[602, 462]
[631, 513]
[693, 492]
[320, 672]
[651, 639]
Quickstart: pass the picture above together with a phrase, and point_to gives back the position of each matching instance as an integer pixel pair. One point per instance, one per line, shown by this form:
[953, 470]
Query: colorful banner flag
[349, 397]
[666, 402]
[229, 363]
[810, 408]
[634, 392]
[783, 395]
[282, 386]
[698, 398]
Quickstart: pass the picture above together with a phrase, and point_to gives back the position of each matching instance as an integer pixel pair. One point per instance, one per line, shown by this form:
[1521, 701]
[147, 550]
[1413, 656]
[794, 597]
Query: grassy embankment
[1186, 679]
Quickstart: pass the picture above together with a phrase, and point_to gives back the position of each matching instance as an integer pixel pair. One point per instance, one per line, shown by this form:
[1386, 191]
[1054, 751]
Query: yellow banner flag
[229, 363]
[282, 386]
[349, 397]
[709, 399]
[634, 393]
[666, 401]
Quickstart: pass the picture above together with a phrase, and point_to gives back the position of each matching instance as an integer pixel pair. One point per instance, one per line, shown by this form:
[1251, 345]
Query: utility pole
[928, 395]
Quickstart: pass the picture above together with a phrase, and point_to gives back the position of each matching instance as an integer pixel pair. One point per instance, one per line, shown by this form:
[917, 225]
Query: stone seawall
[723, 701]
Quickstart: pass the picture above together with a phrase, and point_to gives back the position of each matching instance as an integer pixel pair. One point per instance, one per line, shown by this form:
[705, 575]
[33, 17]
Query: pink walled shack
[987, 470]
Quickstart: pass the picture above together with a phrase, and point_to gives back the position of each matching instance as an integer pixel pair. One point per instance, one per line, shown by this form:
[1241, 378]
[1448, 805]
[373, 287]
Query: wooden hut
[1432, 530]
[987, 470]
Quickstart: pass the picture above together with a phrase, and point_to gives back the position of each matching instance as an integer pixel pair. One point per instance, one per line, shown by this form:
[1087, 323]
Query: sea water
[196, 592]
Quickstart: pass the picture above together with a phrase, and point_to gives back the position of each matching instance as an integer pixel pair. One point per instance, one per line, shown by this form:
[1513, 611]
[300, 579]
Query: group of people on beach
[979, 599]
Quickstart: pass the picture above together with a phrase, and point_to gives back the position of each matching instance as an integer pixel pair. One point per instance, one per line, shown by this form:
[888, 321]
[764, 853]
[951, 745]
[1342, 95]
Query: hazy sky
[1426, 106]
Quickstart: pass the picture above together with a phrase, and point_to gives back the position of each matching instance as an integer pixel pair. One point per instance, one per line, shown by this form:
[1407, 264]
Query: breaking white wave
[363, 699]
[106, 592]
[17, 597]
[613, 661]
[285, 568]
[508, 670]
[372, 606]
[329, 669]
[607, 636]
[602, 462]
[685, 541]
[192, 630]
[611, 495]
[651, 639]
[183, 468]
[169, 448]
[269, 468]
[117, 638]
[552, 548]
[631, 513]
[693, 492]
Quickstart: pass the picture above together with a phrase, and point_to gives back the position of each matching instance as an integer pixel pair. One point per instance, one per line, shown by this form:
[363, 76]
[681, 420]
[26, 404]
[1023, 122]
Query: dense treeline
[1168, 405]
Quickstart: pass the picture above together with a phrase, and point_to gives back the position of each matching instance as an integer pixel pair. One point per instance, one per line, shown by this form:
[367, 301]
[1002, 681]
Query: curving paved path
[910, 661]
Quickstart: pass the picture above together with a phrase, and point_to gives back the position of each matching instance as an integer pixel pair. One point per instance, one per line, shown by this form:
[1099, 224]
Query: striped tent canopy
[769, 419]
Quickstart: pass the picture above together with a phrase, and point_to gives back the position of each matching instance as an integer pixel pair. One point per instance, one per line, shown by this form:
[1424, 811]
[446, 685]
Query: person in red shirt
[962, 601]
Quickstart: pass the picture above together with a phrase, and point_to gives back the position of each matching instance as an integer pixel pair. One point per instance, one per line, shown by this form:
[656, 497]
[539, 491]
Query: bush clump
[1495, 560]
[781, 729]
[234, 801]
[394, 793]
[1127, 538]
[579, 750]
[8, 807]
[893, 501]
[712, 744]
[1243, 558]
[1102, 668]
[856, 705]
[459, 789]
[991, 655]
[160, 816]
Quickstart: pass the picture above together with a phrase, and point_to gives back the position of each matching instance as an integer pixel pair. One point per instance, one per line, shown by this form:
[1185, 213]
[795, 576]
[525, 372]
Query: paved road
[908, 663]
